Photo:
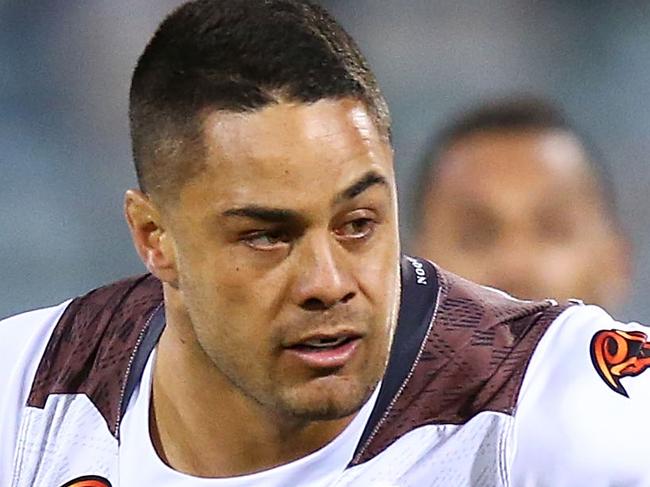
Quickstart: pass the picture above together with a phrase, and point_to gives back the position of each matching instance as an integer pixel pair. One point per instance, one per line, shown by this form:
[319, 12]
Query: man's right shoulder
[22, 336]
[75, 347]
[23, 339]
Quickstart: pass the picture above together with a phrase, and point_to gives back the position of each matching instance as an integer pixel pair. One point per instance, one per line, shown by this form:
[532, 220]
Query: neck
[203, 425]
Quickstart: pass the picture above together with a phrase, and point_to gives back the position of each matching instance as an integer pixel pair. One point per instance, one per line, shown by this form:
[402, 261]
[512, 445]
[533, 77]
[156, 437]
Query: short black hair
[237, 56]
[517, 113]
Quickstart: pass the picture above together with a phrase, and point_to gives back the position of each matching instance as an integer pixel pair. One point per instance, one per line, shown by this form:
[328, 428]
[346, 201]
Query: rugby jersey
[481, 389]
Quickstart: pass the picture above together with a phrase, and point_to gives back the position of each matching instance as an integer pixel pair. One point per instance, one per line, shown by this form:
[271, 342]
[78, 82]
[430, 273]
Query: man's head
[268, 204]
[512, 197]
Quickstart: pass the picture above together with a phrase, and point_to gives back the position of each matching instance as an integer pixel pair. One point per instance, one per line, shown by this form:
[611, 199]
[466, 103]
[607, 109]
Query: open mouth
[326, 351]
[323, 343]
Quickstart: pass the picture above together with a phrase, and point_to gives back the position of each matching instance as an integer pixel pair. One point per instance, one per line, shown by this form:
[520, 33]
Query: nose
[324, 278]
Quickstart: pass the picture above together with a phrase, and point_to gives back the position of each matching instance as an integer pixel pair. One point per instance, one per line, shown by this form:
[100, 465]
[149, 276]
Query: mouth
[324, 351]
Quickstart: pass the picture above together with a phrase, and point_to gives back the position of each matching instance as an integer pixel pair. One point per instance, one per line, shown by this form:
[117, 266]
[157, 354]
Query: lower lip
[329, 358]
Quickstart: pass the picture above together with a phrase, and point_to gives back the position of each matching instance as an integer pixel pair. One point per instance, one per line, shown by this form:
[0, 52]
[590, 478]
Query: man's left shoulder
[583, 404]
[471, 359]
[587, 343]
[481, 343]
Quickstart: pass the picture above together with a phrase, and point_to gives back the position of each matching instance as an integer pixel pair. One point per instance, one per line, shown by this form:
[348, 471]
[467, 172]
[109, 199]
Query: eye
[357, 229]
[266, 240]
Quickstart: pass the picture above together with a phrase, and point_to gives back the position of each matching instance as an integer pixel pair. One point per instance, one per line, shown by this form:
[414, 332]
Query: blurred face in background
[523, 212]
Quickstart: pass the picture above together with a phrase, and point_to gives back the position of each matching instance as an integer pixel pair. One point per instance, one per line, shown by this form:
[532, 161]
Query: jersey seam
[21, 448]
[127, 372]
[503, 448]
[547, 321]
[399, 392]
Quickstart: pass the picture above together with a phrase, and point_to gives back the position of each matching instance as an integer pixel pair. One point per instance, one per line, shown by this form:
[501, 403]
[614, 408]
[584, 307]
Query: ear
[154, 245]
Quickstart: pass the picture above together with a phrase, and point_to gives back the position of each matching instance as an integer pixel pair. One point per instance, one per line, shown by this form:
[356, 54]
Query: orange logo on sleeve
[88, 481]
[617, 354]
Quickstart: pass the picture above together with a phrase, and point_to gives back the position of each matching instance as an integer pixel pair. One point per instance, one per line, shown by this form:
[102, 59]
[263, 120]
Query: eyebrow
[263, 213]
[281, 215]
[371, 178]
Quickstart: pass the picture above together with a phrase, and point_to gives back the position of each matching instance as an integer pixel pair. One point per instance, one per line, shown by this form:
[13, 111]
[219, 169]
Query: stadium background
[64, 76]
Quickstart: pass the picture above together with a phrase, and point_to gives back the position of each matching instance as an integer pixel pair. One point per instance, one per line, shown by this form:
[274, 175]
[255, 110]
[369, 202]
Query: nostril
[314, 304]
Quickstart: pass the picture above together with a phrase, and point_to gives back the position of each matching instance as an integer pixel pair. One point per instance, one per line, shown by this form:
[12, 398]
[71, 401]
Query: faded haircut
[236, 56]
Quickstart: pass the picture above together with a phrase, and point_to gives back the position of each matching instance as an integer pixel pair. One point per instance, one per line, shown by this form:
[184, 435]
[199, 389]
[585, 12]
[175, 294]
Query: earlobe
[151, 241]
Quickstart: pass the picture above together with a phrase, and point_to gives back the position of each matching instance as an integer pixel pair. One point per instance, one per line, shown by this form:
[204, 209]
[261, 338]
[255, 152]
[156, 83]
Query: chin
[328, 398]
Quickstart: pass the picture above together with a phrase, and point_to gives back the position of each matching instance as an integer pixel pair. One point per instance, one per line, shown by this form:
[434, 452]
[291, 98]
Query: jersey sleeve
[23, 339]
[583, 415]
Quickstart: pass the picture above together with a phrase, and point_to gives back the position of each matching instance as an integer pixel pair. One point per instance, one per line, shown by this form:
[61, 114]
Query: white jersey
[481, 390]
[140, 464]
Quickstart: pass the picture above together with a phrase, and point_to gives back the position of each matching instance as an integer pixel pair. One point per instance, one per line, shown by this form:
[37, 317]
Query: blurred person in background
[511, 196]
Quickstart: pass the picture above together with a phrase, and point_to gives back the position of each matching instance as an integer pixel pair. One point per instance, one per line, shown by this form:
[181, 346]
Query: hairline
[602, 181]
[199, 147]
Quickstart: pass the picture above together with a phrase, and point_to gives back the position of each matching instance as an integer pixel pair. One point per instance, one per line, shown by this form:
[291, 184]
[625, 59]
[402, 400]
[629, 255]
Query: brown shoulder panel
[92, 345]
[473, 360]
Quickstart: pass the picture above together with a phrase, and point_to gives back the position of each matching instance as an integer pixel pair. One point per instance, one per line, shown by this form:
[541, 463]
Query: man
[511, 197]
[280, 339]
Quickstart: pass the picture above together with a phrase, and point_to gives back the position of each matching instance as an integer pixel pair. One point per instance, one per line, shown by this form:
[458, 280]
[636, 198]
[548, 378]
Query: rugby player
[279, 338]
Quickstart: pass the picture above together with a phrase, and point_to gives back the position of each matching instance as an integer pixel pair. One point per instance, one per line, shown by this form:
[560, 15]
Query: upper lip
[325, 335]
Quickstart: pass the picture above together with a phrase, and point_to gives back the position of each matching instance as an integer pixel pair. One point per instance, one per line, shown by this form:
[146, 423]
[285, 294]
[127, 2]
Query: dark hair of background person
[236, 56]
[519, 113]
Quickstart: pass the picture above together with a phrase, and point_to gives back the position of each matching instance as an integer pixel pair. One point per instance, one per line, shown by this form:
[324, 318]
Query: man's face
[287, 253]
[520, 211]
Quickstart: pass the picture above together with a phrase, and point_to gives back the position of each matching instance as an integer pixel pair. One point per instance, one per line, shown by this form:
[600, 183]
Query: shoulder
[470, 359]
[484, 339]
[83, 346]
[23, 339]
[91, 349]
[583, 403]
[21, 336]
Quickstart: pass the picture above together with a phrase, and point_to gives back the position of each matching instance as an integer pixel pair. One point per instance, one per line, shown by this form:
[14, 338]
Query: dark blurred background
[64, 76]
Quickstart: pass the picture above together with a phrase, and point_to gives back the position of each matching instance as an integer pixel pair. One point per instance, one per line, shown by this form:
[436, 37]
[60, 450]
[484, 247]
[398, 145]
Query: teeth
[325, 342]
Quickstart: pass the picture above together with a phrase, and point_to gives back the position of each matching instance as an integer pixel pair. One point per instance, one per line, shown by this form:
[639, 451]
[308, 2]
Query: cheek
[211, 283]
[214, 265]
[227, 316]
[568, 267]
[226, 290]
[376, 273]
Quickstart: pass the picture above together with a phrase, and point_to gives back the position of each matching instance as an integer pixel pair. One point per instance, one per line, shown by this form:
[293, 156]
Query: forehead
[294, 149]
[516, 167]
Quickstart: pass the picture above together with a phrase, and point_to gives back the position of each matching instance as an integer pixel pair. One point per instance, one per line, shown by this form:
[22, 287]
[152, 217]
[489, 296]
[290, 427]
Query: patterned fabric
[446, 421]
[93, 344]
[473, 360]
